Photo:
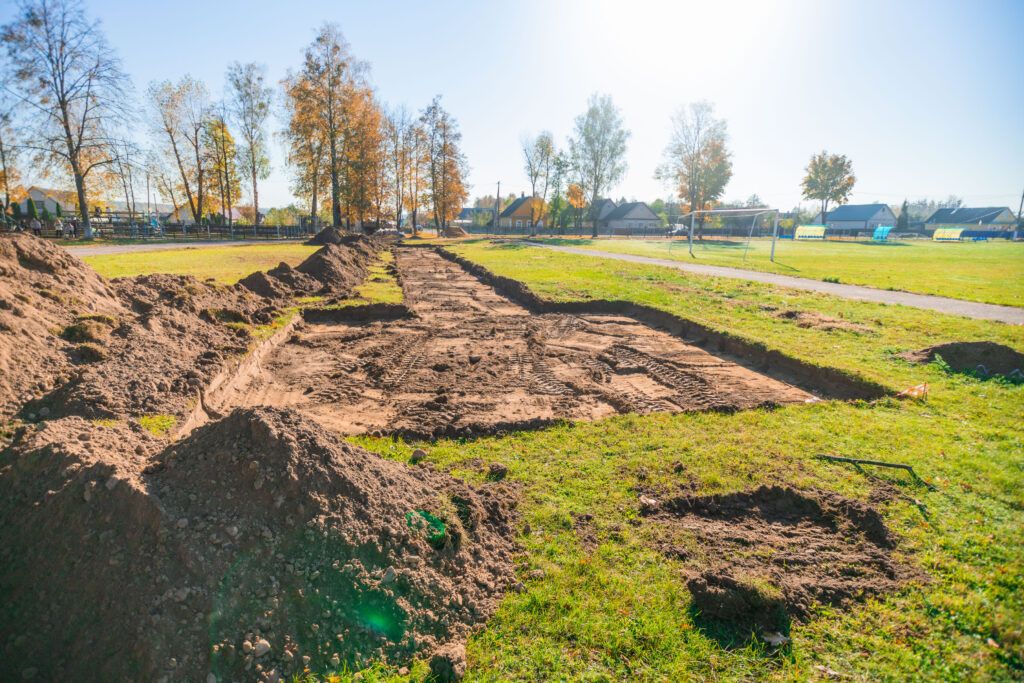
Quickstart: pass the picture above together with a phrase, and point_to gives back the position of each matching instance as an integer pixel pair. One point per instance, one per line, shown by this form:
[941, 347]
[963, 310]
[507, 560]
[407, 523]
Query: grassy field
[619, 612]
[224, 264]
[989, 272]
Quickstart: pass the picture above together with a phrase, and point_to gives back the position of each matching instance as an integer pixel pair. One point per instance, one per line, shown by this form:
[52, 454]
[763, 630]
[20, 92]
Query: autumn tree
[577, 199]
[334, 85]
[697, 163]
[307, 144]
[538, 157]
[362, 155]
[222, 162]
[250, 99]
[559, 176]
[9, 155]
[597, 148]
[180, 115]
[418, 172]
[123, 172]
[399, 150]
[71, 85]
[445, 163]
[829, 179]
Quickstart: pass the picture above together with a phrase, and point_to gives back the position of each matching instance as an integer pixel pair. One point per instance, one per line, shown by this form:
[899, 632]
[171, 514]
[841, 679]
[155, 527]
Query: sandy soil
[469, 361]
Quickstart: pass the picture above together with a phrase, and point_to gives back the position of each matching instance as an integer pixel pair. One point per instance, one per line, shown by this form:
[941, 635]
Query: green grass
[224, 264]
[158, 425]
[989, 272]
[380, 286]
[620, 612]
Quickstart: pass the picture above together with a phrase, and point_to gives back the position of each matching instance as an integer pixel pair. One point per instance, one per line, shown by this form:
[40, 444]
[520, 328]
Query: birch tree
[250, 98]
[445, 162]
[538, 157]
[597, 148]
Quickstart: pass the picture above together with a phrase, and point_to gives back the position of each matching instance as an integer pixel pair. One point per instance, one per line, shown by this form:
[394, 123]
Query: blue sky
[927, 98]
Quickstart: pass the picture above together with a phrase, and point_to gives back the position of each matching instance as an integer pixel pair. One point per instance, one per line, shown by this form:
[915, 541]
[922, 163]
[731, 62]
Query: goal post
[753, 212]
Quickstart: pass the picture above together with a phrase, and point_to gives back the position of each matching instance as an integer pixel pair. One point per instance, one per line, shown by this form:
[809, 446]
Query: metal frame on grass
[754, 212]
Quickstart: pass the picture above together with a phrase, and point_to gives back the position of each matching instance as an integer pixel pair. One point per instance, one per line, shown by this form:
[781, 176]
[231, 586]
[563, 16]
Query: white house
[631, 216]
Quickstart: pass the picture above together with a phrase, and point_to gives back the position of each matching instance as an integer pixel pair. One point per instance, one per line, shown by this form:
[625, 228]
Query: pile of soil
[44, 291]
[980, 357]
[768, 555]
[334, 269]
[454, 231]
[256, 546]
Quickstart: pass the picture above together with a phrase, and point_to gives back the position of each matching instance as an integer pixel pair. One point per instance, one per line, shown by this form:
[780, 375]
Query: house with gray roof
[853, 217]
[631, 217]
[984, 219]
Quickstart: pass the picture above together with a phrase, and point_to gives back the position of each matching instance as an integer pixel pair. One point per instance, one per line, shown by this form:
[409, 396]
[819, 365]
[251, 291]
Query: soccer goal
[754, 213]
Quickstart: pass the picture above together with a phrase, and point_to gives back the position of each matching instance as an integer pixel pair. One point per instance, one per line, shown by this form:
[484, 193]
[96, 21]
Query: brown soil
[982, 357]
[471, 361]
[771, 554]
[334, 269]
[43, 292]
[176, 560]
[823, 323]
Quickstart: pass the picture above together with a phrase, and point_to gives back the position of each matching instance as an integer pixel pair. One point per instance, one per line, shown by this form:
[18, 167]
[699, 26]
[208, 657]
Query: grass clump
[158, 425]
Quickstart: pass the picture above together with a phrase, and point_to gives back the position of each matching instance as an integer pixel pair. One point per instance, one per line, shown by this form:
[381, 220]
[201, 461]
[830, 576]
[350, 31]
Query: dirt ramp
[757, 559]
[981, 358]
[255, 546]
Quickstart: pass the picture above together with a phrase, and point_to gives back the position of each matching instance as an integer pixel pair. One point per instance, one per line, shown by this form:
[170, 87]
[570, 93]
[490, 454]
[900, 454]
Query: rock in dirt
[284, 567]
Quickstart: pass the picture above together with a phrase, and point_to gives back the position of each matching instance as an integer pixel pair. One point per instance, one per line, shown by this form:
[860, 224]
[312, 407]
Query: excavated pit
[462, 359]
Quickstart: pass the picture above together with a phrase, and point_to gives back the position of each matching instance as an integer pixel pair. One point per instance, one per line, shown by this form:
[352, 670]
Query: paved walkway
[98, 249]
[969, 309]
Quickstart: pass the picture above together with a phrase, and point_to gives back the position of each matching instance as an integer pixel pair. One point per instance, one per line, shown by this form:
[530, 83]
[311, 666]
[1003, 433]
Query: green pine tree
[32, 212]
[16, 210]
[45, 215]
[56, 210]
[903, 222]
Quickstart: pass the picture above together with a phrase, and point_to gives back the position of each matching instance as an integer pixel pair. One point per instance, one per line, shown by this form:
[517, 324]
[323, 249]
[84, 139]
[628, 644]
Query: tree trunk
[255, 202]
[83, 208]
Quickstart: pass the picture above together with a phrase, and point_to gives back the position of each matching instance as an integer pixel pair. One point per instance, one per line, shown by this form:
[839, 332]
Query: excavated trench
[464, 359]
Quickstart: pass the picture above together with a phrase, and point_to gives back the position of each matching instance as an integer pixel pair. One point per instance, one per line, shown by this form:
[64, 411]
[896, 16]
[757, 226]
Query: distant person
[58, 228]
[73, 227]
[37, 227]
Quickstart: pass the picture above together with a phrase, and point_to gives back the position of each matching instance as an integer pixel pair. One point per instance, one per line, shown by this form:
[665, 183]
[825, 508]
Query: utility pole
[497, 201]
[1020, 216]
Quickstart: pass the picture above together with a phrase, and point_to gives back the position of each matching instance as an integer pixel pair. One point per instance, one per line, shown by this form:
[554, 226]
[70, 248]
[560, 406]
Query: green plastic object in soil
[435, 527]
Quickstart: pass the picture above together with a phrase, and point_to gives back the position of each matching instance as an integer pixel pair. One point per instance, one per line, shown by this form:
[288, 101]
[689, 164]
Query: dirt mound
[818, 321]
[255, 546]
[454, 231]
[44, 291]
[768, 555]
[335, 269]
[981, 358]
[335, 236]
[176, 335]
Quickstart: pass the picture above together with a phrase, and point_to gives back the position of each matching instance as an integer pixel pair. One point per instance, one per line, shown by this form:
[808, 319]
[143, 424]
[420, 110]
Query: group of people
[60, 229]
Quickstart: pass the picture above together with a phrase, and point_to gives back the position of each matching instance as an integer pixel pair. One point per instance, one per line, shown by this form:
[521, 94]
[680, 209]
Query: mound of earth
[980, 357]
[454, 231]
[44, 291]
[335, 269]
[256, 546]
[331, 235]
[175, 336]
[770, 554]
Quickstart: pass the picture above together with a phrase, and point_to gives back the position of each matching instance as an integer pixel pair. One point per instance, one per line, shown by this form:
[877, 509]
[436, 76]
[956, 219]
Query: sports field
[989, 272]
[227, 264]
[601, 599]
